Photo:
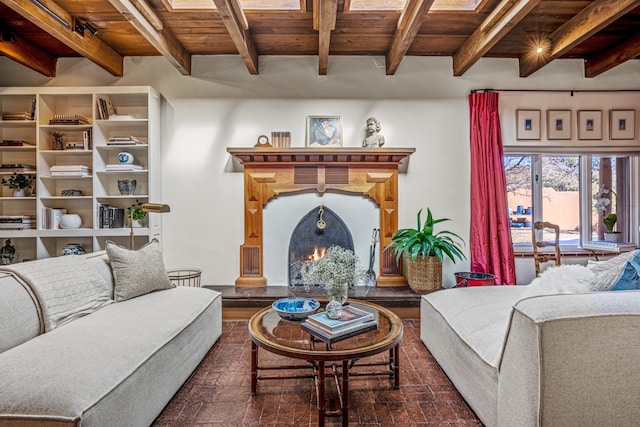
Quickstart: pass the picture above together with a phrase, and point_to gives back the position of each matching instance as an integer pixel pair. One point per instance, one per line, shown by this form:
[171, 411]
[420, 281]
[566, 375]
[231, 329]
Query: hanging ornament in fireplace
[321, 224]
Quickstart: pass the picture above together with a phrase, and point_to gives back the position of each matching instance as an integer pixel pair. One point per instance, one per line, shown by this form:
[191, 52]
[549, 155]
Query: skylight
[361, 5]
[245, 4]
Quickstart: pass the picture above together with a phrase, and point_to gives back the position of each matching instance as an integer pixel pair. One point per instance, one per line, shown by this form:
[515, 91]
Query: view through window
[576, 192]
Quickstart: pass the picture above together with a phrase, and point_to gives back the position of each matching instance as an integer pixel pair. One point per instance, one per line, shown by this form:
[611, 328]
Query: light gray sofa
[547, 360]
[118, 366]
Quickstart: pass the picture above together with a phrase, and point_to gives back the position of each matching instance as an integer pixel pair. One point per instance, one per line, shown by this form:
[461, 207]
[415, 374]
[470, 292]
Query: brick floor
[218, 394]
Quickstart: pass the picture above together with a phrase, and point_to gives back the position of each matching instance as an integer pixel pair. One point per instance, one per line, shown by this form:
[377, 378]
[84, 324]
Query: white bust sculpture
[373, 139]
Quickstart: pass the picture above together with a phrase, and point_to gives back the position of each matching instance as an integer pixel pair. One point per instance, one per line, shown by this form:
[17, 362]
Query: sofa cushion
[137, 272]
[630, 277]
[607, 272]
[66, 288]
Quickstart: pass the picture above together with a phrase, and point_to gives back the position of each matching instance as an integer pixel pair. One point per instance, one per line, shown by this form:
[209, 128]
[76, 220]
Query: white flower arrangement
[337, 267]
[601, 200]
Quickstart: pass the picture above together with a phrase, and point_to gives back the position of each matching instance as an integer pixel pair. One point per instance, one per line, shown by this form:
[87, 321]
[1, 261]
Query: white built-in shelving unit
[138, 115]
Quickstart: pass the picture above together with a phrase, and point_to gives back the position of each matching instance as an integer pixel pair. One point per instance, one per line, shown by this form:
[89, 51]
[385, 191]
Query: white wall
[220, 105]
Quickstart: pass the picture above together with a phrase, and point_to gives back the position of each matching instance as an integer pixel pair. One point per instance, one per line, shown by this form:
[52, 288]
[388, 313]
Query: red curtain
[490, 239]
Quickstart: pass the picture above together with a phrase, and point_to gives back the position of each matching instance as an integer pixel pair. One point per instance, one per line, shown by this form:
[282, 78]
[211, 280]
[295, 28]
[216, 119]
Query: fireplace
[317, 231]
[270, 172]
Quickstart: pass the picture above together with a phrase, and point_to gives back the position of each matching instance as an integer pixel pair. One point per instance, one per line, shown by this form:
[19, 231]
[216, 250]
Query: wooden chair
[541, 257]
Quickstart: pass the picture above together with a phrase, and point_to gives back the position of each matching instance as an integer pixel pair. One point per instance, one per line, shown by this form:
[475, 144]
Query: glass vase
[338, 293]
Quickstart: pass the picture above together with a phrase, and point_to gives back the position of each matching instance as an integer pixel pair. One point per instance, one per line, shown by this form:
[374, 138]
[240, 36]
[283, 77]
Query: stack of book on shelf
[17, 167]
[124, 167]
[13, 143]
[17, 222]
[17, 115]
[68, 119]
[353, 321]
[606, 246]
[82, 142]
[123, 140]
[104, 108]
[70, 170]
[51, 218]
[110, 216]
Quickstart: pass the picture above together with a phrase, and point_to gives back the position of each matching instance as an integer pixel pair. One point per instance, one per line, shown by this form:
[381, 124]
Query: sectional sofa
[562, 351]
[83, 344]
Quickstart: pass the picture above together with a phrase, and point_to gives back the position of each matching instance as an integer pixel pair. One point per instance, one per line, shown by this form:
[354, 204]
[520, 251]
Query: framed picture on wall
[622, 124]
[558, 124]
[589, 124]
[527, 125]
[324, 131]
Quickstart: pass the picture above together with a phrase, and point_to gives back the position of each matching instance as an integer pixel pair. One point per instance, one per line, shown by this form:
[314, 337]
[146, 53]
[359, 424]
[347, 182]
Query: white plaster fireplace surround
[278, 172]
[281, 215]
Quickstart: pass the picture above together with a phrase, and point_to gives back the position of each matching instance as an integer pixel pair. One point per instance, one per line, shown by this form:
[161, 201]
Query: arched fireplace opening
[317, 231]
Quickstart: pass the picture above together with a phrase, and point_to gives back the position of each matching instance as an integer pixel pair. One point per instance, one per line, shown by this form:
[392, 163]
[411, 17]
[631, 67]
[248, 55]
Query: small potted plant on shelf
[57, 140]
[18, 183]
[424, 251]
[609, 222]
[136, 214]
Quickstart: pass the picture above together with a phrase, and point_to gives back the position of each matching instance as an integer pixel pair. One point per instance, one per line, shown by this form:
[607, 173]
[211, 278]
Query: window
[564, 189]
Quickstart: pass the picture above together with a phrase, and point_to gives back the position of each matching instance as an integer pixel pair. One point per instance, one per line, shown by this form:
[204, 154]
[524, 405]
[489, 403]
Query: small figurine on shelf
[7, 253]
[57, 140]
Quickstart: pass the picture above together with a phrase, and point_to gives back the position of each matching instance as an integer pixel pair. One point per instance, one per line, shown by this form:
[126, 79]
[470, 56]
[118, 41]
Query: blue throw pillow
[630, 277]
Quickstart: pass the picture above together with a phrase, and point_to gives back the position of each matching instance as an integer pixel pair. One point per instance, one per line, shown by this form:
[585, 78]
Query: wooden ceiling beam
[29, 55]
[612, 57]
[593, 18]
[325, 13]
[498, 24]
[238, 28]
[86, 44]
[407, 29]
[144, 20]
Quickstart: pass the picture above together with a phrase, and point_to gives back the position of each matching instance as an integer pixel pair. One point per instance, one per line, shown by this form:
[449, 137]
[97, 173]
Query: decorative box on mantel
[269, 172]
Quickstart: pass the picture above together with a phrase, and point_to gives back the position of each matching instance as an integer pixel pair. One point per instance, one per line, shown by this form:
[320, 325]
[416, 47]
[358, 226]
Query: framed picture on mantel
[324, 131]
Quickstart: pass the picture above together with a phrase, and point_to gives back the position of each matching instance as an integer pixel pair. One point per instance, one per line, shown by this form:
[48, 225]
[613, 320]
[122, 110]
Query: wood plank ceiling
[604, 33]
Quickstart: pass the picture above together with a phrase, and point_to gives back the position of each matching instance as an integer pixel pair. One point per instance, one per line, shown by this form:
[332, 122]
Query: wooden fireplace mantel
[270, 172]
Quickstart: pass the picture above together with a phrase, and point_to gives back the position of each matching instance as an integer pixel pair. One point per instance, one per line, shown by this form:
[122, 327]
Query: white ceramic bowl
[70, 221]
[295, 308]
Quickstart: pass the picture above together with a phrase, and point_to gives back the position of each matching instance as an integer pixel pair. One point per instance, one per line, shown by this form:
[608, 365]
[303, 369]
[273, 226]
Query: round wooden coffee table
[267, 330]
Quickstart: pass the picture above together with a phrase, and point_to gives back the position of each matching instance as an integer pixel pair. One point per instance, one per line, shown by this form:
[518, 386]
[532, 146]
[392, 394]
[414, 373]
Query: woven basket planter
[424, 274]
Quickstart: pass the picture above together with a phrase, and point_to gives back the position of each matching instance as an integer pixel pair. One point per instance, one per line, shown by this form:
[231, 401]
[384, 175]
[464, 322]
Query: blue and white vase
[72, 249]
[125, 158]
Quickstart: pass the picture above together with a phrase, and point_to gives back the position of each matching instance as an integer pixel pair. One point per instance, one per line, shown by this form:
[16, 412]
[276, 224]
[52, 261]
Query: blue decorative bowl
[295, 308]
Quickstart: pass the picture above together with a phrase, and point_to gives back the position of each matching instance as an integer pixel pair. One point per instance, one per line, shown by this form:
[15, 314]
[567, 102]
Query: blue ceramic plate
[295, 308]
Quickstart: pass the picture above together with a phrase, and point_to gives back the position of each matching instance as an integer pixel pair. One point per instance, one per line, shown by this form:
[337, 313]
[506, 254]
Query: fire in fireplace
[318, 230]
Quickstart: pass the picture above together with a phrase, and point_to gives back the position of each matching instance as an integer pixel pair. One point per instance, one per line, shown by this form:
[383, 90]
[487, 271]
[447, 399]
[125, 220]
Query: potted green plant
[18, 183]
[424, 250]
[609, 222]
[136, 214]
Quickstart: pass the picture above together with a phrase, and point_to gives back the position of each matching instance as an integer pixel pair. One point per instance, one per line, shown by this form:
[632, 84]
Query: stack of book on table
[353, 321]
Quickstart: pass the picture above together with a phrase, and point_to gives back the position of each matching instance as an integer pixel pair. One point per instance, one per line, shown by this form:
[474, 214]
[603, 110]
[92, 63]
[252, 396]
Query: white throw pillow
[137, 272]
[562, 279]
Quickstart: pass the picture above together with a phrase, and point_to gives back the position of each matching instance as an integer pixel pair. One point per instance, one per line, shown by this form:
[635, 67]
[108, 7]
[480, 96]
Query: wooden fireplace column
[269, 172]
